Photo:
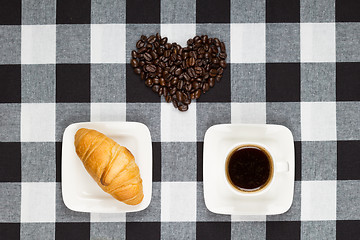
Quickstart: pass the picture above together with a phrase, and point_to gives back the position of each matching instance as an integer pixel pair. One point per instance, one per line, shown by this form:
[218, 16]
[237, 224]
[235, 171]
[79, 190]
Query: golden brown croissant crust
[112, 166]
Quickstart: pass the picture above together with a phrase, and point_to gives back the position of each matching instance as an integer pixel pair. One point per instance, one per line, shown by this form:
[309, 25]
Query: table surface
[294, 63]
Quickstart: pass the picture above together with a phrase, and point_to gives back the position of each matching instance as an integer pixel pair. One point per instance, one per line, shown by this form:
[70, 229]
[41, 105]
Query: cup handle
[282, 167]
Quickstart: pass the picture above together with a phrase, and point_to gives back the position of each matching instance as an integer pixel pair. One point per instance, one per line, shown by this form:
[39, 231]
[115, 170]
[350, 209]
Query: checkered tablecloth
[291, 62]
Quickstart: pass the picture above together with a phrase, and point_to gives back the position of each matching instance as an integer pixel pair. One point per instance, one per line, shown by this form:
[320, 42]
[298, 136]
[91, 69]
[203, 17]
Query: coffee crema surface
[249, 168]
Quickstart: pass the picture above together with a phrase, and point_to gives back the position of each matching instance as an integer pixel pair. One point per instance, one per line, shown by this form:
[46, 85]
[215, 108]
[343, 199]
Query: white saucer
[80, 192]
[218, 196]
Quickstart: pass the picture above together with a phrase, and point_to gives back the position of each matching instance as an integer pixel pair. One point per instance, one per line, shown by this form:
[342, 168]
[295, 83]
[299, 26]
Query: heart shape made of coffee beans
[179, 74]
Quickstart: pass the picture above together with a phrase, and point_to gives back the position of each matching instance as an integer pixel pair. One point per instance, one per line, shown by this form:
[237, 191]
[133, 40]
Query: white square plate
[219, 140]
[80, 192]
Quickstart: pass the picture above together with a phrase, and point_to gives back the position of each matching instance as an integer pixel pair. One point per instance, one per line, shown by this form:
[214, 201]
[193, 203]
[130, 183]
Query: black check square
[278, 11]
[347, 11]
[283, 230]
[282, 82]
[199, 154]
[10, 165]
[348, 164]
[348, 81]
[10, 12]
[349, 230]
[213, 11]
[221, 92]
[213, 230]
[136, 90]
[72, 231]
[149, 229]
[73, 83]
[156, 149]
[10, 84]
[73, 12]
[10, 230]
[298, 159]
[58, 149]
[143, 11]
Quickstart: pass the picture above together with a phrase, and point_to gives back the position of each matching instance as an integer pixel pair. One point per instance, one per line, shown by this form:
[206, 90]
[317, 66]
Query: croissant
[112, 166]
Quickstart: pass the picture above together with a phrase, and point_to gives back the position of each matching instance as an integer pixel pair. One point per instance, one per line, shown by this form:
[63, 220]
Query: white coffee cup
[275, 168]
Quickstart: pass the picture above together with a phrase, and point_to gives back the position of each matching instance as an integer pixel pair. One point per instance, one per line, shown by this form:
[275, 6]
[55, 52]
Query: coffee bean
[198, 70]
[150, 68]
[158, 37]
[178, 71]
[218, 78]
[222, 47]
[188, 87]
[213, 72]
[142, 50]
[197, 93]
[183, 107]
[149, 82]
[151, 39]
[172, 91]
[223, 63]
[154, 55]
[134, 63]
[204, 39]
[168, 45]
[137, 70]
[179, 96]
[163, 41]
[140, 44]
[215, 61]
[165, 91]
[147, 57]
[187, 77]
[180, 84]
[187, 100]
[148, 46]
[211, 82]
[175, 103]
[222, 55]
[217, 42]
[205, 87]
[155, 88]
[161, 91]
[195, 85]
[156, 81]
[191, 61]
[191, 72]
[168, 98]
[133, 54]
[144, 38]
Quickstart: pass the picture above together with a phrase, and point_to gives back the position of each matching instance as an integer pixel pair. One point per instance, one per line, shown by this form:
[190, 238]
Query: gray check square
[202, 213]
[347, 42]
[38, 83]
[318, 82]
[178, 230]
[347, 120]
[287, 114]
[221, 31]
[108, 230]
[319, 161]
[147, 113]
[38, 12]
[294, 213]
[244, 11]
[248, 82]
[209, 114]
[348, 200]
[282, 42]
[39, 231]
[108, 83]
[68, 113]
[319, 230]
[38, 162]
[10, 44]
[73, 43]
[63, 214]
[10, 202]
[10, 122]
[180, 11]
[153, 211]
[317, 11]
[248, 230]
[133, 34]
[178, 162]
[108, 11]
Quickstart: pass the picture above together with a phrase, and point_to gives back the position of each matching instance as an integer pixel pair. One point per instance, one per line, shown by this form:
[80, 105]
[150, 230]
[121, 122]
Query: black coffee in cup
[249, 168]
